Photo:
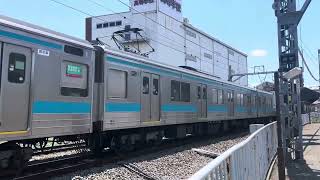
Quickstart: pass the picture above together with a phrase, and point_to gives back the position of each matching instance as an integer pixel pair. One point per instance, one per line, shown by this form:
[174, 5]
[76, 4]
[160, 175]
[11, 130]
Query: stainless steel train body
[55, 85]
[141, 93]
[46, 82]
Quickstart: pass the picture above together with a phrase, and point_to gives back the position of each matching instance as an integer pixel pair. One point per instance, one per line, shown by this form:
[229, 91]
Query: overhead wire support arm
[248, 74]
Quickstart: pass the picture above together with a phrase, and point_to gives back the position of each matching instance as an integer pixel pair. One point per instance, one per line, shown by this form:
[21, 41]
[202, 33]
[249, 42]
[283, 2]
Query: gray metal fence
[249, 160]
[305, 119]
[315, 117]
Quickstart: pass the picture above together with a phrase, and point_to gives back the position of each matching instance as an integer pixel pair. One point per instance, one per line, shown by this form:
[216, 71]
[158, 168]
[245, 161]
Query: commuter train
[54, 85]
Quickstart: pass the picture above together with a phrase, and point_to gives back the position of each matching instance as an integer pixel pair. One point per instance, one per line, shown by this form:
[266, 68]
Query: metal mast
[288, 90]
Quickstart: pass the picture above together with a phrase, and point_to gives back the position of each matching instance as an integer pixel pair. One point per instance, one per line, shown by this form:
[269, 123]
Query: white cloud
[259, 53]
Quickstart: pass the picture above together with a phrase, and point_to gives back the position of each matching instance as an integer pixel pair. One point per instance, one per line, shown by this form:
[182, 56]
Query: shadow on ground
[301, 170]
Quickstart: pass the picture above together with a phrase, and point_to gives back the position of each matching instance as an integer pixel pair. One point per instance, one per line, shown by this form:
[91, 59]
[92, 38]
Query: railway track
[43, 169]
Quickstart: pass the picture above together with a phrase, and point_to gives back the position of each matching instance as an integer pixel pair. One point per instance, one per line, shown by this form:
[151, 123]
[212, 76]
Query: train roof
[34, 29]
[148, 61]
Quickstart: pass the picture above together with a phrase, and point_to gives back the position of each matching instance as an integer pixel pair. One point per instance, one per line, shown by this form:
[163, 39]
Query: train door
[150, 97]
[15, 84]
[230, 101]
[249, 104]
[202, 101]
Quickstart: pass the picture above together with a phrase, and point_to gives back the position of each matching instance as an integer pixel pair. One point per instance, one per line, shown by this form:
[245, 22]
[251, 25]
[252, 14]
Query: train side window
[248, 101]
[155, 86]
[220, 97]
[117, 84]
[204, 93]
[16, 69]
[199, 92]
[175, 91]
[214, 96]
[185, 92]
[145, 89]
[242, 99]
[73, 50]
[74, 79]
[238, 98]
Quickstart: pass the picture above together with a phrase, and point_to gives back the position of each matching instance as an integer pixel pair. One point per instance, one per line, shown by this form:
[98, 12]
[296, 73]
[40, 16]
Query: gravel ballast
[172, 164]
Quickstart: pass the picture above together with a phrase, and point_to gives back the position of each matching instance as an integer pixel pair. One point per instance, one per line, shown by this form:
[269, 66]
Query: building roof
[309, 96]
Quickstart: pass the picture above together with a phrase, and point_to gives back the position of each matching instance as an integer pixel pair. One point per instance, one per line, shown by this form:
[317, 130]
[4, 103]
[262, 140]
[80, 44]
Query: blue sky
[247, 25]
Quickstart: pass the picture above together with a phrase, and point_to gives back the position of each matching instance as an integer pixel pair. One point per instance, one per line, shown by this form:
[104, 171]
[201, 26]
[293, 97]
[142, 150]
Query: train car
[57, 86]
[162, 99]
[46, 85]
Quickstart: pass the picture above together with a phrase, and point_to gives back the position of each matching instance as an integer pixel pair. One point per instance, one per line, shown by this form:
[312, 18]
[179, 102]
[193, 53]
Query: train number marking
[42, 52]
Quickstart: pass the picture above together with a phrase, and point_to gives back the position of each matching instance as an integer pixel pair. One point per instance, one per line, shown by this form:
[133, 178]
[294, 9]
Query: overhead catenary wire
[305, 63]
[131, 8]
[83, 12]
[130, 19]
[103, 20]
[78, 10]
[151, 29]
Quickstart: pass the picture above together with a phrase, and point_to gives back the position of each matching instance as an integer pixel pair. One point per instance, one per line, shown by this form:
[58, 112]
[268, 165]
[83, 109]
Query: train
[55, 85]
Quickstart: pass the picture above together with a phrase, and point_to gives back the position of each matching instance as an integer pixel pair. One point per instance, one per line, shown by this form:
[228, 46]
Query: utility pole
[288, 90]
[319, 66]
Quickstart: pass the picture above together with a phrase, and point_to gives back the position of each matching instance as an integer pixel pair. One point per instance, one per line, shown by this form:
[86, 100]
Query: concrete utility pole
[288, 90]
[319, 66]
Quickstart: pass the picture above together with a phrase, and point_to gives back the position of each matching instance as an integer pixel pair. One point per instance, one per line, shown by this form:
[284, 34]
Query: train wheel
[13, 158]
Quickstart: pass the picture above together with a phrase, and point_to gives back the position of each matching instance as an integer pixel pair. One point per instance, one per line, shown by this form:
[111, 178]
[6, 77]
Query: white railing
[249, 160]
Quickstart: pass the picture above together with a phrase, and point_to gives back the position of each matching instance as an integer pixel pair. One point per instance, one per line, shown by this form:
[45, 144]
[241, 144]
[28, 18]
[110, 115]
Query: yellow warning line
[13, 132]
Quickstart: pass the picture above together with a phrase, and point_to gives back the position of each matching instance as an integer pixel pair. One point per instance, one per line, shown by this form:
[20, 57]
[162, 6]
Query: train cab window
[220, 97]
[214, 96]
[117, 84]
[145, 87]
[16, 69]
[74, 79]
[185, 92]
[199, 92]
[175, 91]
[155, 86]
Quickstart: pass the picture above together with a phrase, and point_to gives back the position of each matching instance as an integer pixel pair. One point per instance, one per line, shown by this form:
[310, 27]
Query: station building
[157, 30]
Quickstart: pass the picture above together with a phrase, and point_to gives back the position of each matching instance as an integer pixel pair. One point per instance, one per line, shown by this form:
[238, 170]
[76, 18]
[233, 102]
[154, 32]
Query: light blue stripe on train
[122, 107]
[55, 107]
[30, 39]
[178, 108]
[217, 108]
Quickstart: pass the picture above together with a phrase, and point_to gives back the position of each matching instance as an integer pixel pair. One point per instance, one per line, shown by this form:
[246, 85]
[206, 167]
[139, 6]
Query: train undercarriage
[14, 156]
